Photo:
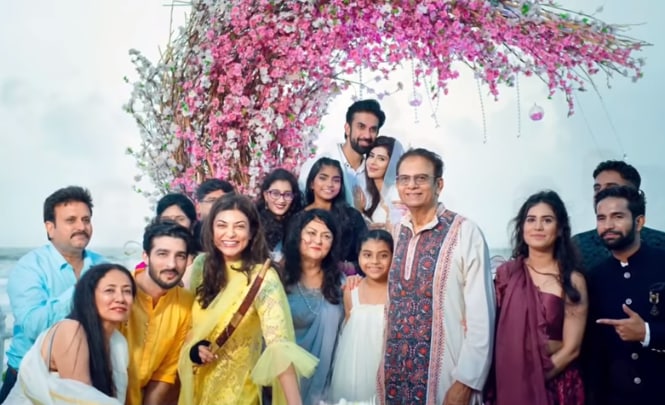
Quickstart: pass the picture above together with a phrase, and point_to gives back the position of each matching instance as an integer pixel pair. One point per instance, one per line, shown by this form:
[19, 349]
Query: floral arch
[241, 87]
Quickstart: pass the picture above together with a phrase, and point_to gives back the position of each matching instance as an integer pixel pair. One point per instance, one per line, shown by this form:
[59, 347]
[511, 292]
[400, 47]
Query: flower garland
[243, 85]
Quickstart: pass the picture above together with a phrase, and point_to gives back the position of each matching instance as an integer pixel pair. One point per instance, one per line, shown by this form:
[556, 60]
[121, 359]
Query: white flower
[265, 77]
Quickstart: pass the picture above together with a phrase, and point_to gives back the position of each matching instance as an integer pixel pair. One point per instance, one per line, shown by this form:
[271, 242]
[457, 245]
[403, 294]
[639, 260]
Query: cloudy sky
[61, 122]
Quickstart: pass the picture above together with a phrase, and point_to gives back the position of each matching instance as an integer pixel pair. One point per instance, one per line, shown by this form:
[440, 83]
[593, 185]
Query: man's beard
[362, 150]
[622, 242]
[163, 285]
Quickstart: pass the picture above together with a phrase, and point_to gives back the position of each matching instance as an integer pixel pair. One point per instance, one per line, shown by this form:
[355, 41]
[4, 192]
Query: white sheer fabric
[390, 209]
[36, 385]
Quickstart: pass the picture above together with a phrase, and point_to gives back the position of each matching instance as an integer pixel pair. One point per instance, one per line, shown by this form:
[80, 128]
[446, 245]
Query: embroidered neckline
[311, 292]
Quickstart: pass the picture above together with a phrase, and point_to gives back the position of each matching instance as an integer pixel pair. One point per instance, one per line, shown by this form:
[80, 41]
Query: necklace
[311, 294]
[556, 277]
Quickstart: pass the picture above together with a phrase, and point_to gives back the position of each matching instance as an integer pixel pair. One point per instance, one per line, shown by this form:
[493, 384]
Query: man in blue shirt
[41, 285]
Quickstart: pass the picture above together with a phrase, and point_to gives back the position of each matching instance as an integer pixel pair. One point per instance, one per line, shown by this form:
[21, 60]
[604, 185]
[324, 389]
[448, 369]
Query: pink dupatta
[520, 354]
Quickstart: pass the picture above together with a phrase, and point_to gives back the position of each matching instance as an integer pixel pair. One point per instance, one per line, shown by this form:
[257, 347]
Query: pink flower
[245, 88]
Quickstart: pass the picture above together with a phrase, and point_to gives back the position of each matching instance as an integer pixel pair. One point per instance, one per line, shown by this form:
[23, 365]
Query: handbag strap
[242, 310]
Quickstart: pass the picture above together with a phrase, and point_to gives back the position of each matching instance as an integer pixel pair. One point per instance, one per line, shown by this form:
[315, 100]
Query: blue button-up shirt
[40, 289]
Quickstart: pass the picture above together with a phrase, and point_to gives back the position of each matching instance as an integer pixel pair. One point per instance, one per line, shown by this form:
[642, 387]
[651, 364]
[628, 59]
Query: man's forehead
[214, 194]
[612, 204]
[72, 206]
[165, 242]
[611, 177]
[366, 118]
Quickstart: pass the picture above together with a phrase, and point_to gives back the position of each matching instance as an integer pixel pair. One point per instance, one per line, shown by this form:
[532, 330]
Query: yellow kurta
[155, 334]
[235, 377]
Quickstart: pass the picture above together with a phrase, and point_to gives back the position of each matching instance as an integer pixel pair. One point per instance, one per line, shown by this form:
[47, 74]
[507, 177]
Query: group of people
[351, 282]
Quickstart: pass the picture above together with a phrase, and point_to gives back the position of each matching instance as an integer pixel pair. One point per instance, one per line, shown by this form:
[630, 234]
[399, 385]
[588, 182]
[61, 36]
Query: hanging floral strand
[242, 87]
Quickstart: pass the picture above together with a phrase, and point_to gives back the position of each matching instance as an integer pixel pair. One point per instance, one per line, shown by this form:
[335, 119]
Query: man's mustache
[81, 233]
[173, 270]
[610, 233]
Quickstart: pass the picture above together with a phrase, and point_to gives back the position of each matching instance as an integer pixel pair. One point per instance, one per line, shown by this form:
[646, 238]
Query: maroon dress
[527, 319]
[566, 387]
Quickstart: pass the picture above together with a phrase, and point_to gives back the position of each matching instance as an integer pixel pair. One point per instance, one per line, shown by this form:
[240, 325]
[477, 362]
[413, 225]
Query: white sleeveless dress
[358, 355]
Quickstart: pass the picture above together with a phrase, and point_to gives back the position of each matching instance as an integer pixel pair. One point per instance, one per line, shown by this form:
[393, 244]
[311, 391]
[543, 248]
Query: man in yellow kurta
[161, 316]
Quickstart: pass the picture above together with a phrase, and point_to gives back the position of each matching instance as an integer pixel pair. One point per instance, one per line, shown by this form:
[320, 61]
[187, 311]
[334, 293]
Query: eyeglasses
[419, 179]
[275, 195]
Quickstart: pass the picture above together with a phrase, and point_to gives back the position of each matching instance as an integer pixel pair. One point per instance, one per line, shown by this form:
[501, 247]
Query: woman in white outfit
[83, 358]
[380, 203]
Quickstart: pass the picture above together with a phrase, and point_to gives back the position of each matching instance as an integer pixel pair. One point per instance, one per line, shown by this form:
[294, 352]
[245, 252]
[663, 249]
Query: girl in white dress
[360, 345]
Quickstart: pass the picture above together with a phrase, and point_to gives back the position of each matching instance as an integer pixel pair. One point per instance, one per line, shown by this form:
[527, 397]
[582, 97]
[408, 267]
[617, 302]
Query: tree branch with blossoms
[242, 87]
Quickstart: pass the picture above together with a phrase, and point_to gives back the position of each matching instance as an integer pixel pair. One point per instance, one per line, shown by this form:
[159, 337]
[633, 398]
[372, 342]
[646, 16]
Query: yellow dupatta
[279, 354]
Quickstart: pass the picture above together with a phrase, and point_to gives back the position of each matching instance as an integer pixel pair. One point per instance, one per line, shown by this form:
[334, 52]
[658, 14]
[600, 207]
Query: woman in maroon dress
[542, 309]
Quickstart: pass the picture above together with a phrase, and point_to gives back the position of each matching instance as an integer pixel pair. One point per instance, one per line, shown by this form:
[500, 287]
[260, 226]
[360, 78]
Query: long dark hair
[340, 199]
[388, 143]
[214, 265]
[350, 221]
[332, 277]
[274, 227]
[564, 252]
[85, 312]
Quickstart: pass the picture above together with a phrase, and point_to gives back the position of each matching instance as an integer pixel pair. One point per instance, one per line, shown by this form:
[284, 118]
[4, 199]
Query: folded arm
[574, 323]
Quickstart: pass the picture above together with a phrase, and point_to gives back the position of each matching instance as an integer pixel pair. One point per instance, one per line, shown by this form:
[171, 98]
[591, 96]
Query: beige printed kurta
[440, 314]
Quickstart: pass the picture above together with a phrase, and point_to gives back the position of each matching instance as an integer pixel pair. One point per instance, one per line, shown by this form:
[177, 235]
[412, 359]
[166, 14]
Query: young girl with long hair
[325, 190]
[359, 349]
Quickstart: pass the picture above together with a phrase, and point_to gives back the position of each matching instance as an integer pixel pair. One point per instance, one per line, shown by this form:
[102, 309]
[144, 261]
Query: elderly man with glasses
[440, 315]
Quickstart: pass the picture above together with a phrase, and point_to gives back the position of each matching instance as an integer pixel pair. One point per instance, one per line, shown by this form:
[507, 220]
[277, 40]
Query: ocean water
[129, 255]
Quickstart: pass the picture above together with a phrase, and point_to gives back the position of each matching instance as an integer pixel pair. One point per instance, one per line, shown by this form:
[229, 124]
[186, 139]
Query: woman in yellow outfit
[235, 249]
